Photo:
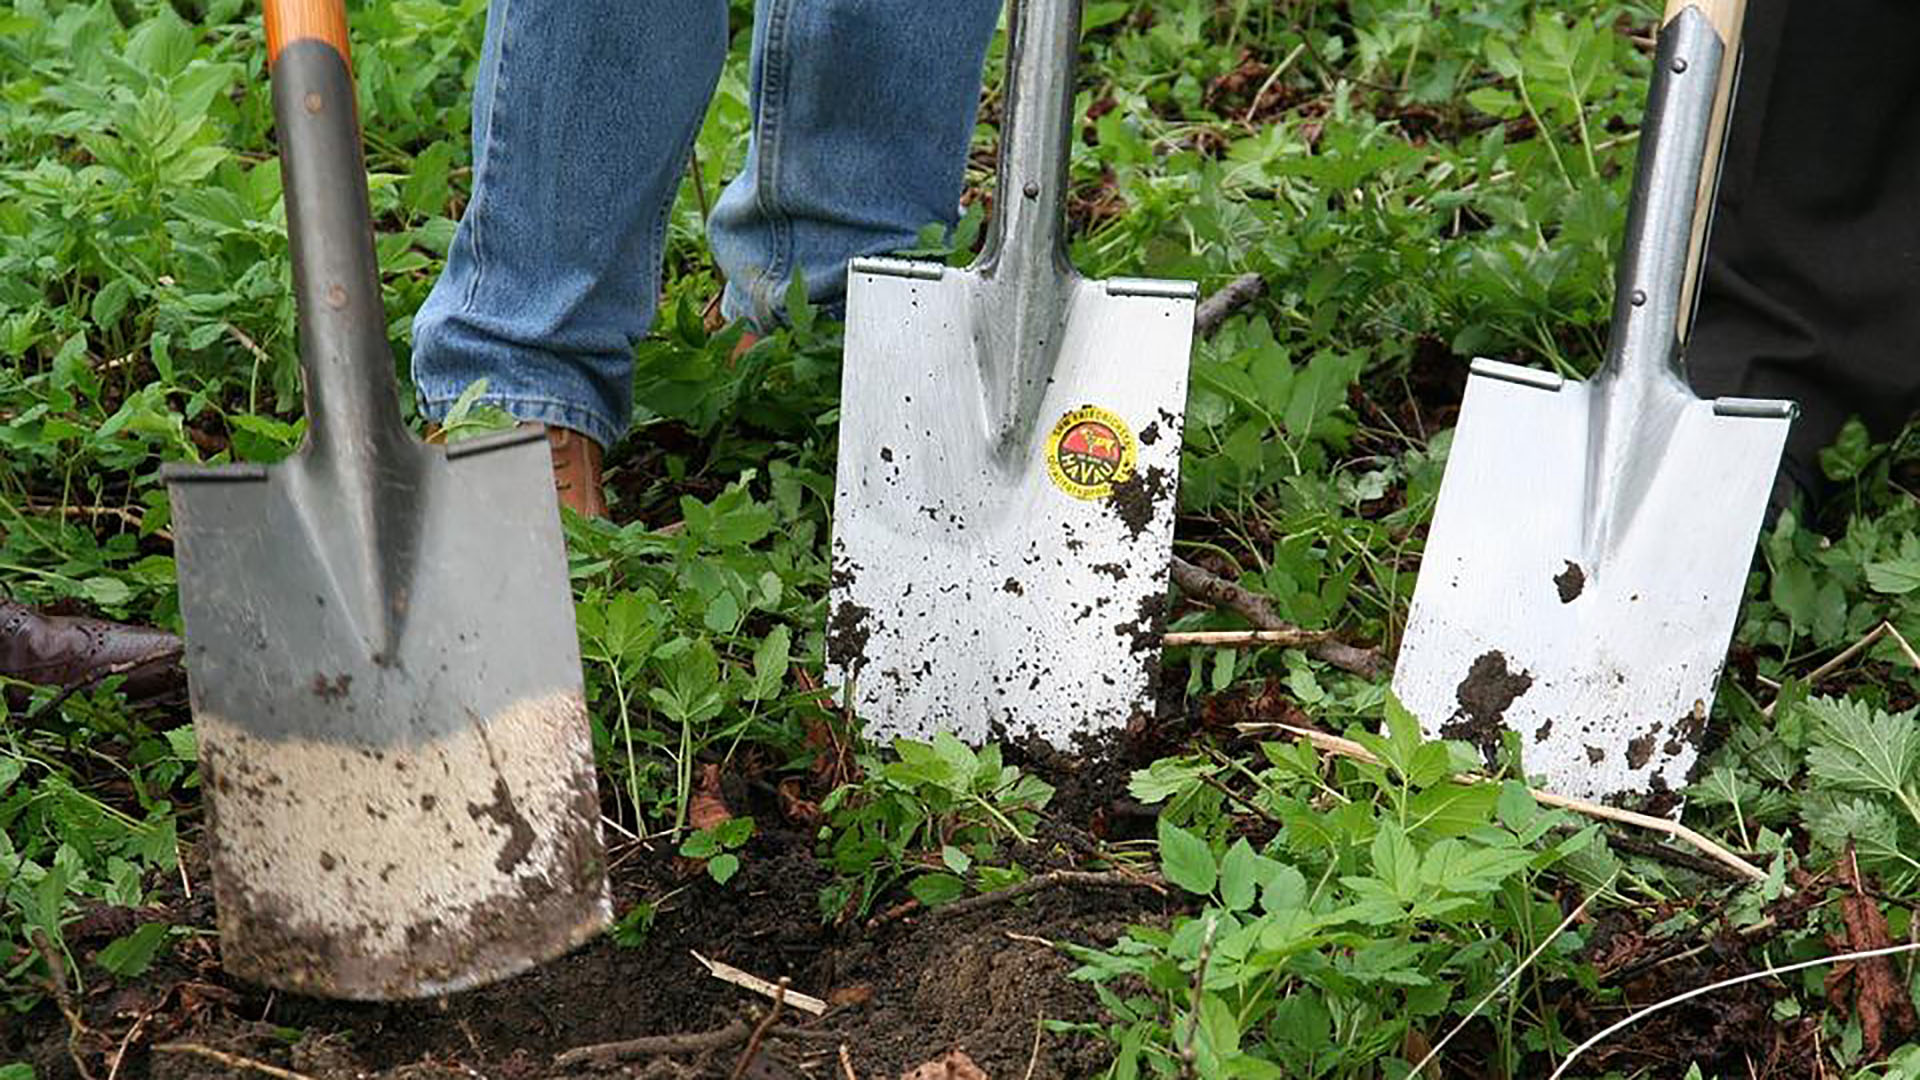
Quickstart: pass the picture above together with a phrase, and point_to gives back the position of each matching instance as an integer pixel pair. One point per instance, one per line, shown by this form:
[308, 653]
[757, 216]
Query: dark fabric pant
[1813, 279]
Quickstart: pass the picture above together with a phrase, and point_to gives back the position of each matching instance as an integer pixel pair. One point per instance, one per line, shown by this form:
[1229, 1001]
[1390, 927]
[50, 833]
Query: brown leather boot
[64, 650]
[576, 472]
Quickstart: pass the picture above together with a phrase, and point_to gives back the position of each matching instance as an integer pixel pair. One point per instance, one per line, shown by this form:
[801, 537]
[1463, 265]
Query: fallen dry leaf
[708, 807]
[956, 1065]
[1878, 997]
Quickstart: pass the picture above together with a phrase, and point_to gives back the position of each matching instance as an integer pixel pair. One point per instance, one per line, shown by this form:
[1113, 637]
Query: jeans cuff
[537, 410]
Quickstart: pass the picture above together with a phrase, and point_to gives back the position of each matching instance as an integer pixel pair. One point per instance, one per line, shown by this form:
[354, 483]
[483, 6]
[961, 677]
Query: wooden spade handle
[289, 21]
[1727, 18]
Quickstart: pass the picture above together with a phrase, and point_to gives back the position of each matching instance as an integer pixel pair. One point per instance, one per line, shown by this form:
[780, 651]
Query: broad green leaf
[770, 660]
[1898, 576]
[933, 890]
[1186, 860]
[1239, 874]
[1856, 747]
[1395, 860]
[130, 955]
[722, 867]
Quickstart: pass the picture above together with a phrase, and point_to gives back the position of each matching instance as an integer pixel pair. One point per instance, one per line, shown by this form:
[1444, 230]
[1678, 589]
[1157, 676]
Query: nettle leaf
[1166, 778]
[1870, 826]
[1897, 576]
[1396, 861]
[1241, 873]
[1856, 747]
[1186, 860]
[932, 890]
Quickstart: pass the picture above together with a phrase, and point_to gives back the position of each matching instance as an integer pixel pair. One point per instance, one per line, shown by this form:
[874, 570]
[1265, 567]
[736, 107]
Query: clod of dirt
[1570, 582]
[847, 635]
[1484, 696]
[955, 1065]
[1640, 750]
[1135, 499]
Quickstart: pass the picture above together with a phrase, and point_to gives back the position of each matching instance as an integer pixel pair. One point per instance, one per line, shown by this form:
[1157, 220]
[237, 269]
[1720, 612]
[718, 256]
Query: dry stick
[1768, 973]
[1039, 1027]
[699, 1042]
[1899, 638]
[760, 1030]
[1049, 880]
[747, 981]
[1232, 296]
[63, 999]
[1834, 664]
[1234, 639]
[1348, 748]
[1512, 975]
[1215, 590]
[231, 1061]
[846, 1064]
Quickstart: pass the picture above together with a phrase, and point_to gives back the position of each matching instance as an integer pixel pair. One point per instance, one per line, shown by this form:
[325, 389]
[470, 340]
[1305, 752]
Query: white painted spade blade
[1603, 659]
[994, 588]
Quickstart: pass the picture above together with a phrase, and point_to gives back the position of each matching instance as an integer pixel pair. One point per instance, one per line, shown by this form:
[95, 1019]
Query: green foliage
[1315, 954]
[939, 797]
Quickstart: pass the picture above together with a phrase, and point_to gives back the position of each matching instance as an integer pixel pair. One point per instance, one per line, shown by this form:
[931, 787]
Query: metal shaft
[1027, 239]
[345, 360]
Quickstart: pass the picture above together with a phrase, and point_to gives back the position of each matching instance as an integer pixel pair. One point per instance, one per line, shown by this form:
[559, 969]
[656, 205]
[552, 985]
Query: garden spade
[1592, 540]
[1009, 451]
[381, 651]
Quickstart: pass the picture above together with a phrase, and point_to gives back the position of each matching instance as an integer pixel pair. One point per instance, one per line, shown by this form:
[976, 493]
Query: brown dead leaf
[708, 807]
[1878, 997]
[956, 1065]
[799, 809]
[857, 994]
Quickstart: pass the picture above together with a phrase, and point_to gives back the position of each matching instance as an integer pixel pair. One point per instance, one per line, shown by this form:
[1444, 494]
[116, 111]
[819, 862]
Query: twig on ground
[1212, 589]
[231, 1061]
[760, 1030]
[727, 973]
[1030, 939]
[1652, 849]
[1348, 748]
[1834, 664]
[1033, 1059]
[1234, 639]
[1050, 880]
[698, 1042]
[1217, 784]
[846, 1064]
[158, 655]
[1232, 296]
[1752, 976]
[77, 1028]
[1572, 917]
[1901, 640]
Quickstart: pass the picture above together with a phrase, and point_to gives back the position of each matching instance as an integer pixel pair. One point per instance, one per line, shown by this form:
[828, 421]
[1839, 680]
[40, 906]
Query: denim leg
[863, 112]
[584, 113]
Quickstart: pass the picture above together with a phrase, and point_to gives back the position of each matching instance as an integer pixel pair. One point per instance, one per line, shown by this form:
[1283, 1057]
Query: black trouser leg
[1813, 278]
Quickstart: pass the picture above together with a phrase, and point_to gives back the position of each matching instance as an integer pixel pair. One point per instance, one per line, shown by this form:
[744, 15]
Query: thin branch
[1212, 589]
[1348, 748]
[699, 1042]
[1234, 295]
[1237, 639]
[1834, 664]
[231, 1061]
[727, 973]
[760, 1031]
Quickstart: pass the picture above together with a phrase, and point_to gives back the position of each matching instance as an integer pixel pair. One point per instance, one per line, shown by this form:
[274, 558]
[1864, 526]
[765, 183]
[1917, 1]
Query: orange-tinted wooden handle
[289, 21]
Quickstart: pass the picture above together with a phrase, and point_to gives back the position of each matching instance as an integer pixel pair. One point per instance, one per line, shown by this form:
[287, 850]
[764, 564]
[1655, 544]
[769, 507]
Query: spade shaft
[381, 654]
[1591, 540]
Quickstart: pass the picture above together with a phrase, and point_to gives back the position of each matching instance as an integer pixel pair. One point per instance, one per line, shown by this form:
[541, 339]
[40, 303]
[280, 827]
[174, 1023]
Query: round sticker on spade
[1089, 451]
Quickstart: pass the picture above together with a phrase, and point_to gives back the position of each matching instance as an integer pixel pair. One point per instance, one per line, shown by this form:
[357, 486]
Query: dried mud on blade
[381, 653]
[1009, 455]
[1591, 541]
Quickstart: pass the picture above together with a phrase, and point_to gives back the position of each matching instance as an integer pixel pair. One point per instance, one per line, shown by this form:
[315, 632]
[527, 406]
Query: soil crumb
[1484, 696]
[1135, 499]
[1570, 582]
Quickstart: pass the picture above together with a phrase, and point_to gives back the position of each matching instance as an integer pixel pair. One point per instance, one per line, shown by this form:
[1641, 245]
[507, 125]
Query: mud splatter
[1484, 696]
[1013, 586]
[331, 690]
[505, 814]
[1570, 582]
[1150, 434]
[1144, 632]
[1114, 570]
[1595, 755]
[1640, 750]
[886, 453]
[847, 635]
[1540, 733]
[1136, 499]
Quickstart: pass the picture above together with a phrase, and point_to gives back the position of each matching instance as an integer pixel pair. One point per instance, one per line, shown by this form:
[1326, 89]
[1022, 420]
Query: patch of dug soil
[905, 990]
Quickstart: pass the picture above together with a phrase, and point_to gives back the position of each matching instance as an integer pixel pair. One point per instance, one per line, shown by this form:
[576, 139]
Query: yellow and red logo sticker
[1089, 451]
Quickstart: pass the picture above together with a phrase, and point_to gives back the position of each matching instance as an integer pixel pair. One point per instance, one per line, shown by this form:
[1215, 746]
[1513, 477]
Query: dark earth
[1484, 696]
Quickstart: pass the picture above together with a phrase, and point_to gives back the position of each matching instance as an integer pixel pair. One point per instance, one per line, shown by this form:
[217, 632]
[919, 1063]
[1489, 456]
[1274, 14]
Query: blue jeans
[584, 113]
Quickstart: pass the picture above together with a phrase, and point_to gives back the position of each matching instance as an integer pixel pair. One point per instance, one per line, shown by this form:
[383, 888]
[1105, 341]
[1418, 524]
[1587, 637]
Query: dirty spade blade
[1591, 540]
[1605, 666]
[983, 589]
[396, 807]
[1009, 454]
[381, 652]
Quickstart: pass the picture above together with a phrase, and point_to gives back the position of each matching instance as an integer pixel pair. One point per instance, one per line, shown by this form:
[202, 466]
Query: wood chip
[727, 973]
